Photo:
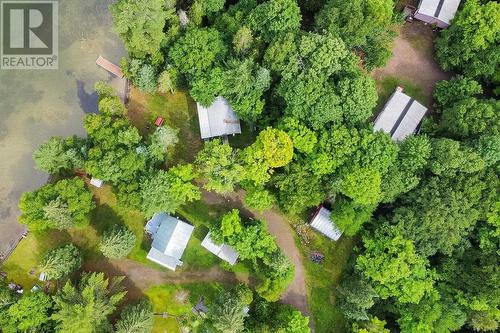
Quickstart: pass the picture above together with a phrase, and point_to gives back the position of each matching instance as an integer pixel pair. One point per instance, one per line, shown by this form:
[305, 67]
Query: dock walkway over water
[109, 66]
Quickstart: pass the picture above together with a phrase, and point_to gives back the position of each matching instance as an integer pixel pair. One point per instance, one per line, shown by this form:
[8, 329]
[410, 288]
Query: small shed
[96, 182]
[223, 251]
[170, 238]
[438, 12]
[218, 119]
[42, 277]
[159, 121]
[400, 116]
[322, 223]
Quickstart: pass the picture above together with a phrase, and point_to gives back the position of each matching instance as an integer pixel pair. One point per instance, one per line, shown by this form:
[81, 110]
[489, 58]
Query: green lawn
[108, 212]
[178, 110]
[321, 279]
[203, 216]
[27, 256]
[246, 138]
[387, 85]
[166, 298]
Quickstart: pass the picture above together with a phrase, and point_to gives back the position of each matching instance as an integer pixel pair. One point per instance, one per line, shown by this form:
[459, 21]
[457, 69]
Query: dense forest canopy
[424, 206]
[425, 209]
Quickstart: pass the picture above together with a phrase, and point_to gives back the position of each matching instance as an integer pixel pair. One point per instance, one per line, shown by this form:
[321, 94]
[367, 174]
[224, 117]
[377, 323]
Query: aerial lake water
[38, 104]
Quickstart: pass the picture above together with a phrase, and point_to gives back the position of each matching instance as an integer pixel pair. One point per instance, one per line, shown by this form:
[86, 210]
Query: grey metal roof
[153, 224]
[439, 12]
[223, 251]
[218, 119]
[96, 182]
[321, 222]
[170, 238]
[400, 116]
[162, 259]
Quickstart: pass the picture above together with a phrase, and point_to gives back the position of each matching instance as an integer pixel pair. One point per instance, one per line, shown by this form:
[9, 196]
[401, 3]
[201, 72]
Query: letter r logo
[27, 27]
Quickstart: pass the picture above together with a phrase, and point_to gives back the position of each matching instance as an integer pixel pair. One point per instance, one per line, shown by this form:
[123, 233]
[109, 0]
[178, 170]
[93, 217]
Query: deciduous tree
[64, 204]
[219, 166]
[272, 18]
[304, 139]
[361, 24]
[470, 45]
[30, 313]
[165, 191]
[162, 139]
[449, 157]
[140, 24]
[356, 297]
[393, 268]
[197, 51]
[438, 214]
[349, 216]
[59, 154]
[362, 185]
[374, 325]
[244, 84]
[242, 40]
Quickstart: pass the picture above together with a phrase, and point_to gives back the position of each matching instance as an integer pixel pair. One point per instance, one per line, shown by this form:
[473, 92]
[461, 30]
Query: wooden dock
[109, 66]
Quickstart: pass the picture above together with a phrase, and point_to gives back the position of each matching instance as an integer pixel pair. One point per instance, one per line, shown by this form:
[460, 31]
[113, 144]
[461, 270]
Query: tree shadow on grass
[106, 266]
[104, 217]
[200, 232]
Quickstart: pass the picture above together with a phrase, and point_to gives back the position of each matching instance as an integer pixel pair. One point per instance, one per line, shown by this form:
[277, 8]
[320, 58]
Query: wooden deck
[109, 66]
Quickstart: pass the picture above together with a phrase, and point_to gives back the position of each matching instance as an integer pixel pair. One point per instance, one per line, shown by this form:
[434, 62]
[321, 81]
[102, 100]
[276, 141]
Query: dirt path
[139, 277]
[296, 293]
[413, 59]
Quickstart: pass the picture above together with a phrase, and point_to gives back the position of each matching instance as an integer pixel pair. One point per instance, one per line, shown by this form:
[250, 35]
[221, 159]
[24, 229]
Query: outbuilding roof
[321, 222]
[439, 12]
[170, 238]
[96, 182]
[218, 119]
[400, 116]
[223, 251]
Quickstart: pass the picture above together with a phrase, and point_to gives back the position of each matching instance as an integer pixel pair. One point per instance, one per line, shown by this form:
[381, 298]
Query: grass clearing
[203, 216]
[321, 279]
[386, 85]
[178, 110]
[167, 298]
[21, 266]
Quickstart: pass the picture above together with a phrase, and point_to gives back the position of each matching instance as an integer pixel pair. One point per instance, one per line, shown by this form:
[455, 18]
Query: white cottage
[170, 238]
[400, 116]
[218, 119]
[322, 223]
[96, 182]
[223, 251]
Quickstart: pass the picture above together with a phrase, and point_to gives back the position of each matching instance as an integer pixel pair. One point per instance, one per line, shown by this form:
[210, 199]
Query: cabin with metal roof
[400, 116]
[322, 223]
[223, 251]
[218, 119]
[438, 12]
[96, 182]
[170, 238]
